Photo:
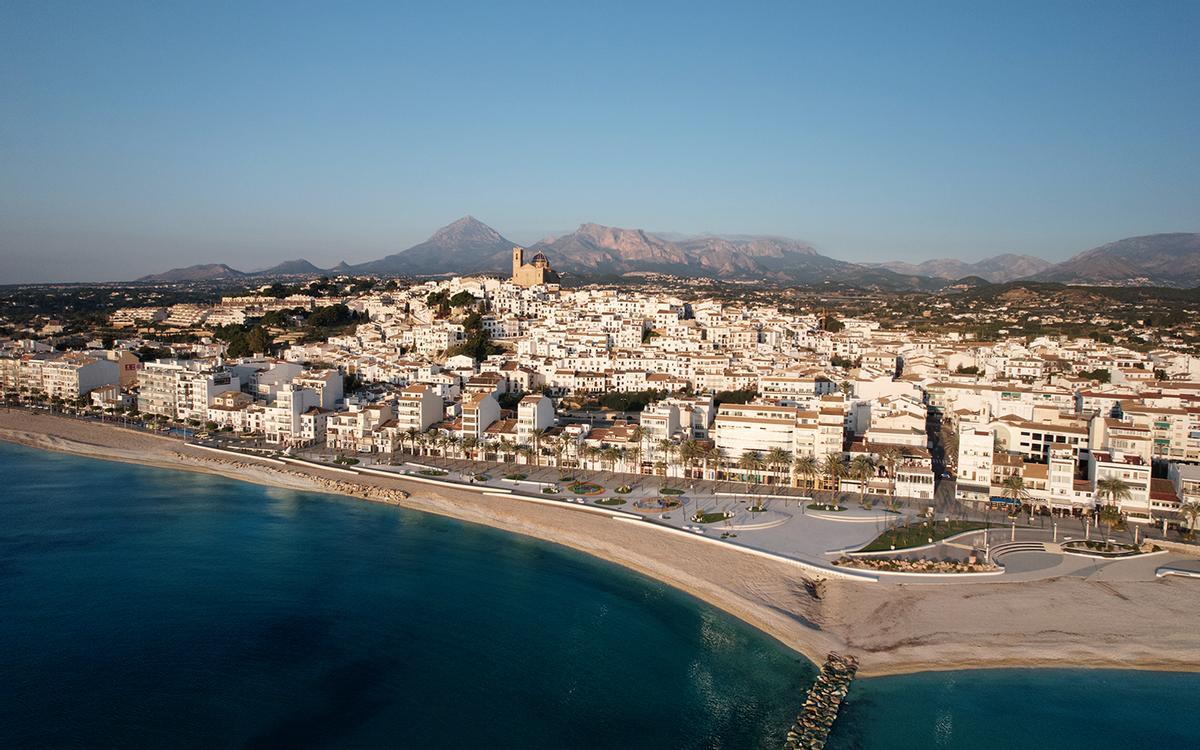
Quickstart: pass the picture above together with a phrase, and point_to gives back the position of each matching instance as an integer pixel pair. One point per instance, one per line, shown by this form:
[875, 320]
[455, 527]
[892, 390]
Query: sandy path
[893, 628]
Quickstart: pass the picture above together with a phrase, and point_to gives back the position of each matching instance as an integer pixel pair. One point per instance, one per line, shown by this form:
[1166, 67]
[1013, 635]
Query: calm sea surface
[148, 608]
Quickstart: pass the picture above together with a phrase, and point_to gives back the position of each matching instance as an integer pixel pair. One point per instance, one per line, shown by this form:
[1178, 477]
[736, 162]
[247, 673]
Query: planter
[827, 508]
[586, 488]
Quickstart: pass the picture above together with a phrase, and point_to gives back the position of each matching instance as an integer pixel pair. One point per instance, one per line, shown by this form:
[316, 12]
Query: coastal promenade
[1067, 620]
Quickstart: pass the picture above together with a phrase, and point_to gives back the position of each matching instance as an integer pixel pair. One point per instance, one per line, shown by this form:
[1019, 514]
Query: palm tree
[452, 442]
[713, 455]
[833, 468]
[807, 467]
[1112, 489]
[890, 458]
[637, 435]
[751, 462]
[862, 468]
[469, 444]
[504, 449]
[688, 451]
[610, 456]
[525, 452]
[778, 459]
[633, 456]
[588, 453]
[558, 447]
[1191, 511]
[1013, 488]
[669, 450]
[1110, 517]
[537, 436]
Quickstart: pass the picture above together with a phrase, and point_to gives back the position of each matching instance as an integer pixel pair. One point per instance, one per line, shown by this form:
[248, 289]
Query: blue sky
[139, 136]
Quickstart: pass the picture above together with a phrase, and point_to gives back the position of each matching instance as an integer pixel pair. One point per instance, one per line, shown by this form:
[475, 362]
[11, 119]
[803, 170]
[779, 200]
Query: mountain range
[469, 246]
[997, 269]
[1171, 260]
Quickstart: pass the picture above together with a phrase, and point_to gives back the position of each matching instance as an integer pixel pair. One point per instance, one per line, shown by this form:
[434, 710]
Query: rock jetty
[811, 730]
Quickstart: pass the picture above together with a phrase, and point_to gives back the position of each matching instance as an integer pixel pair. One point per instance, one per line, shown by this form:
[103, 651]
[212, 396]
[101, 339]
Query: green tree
[1110, 493]
[833, 468]
[1110, 518]
[1191, 511]
[778, 460]
[751, 463]
[1013, 488]
[862, 468]
[890, 458]
[537, 435]
[669, 450]
[806, 467]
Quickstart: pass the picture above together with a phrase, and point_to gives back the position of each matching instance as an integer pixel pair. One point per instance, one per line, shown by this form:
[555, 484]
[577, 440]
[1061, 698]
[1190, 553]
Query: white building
[534, 412]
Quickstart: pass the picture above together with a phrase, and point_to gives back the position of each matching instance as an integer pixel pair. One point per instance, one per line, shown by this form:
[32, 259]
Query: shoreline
[893, 628]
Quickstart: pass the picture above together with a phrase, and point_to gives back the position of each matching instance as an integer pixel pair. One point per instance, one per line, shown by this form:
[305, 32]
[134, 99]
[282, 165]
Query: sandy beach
[1067, 621]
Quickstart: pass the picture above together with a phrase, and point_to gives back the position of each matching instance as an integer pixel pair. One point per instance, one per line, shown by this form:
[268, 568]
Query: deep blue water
[149, 608]
[999, 709]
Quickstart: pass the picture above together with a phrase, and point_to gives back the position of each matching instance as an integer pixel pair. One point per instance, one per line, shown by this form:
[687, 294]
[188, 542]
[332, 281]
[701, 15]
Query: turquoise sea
[144, 608]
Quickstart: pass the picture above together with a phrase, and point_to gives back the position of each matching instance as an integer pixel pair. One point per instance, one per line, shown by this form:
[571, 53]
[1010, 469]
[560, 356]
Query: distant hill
[1171, 260]
[298, 267]
[594, 249]
[203, 272]
[470, 246]
[996, 269]
[466, 246]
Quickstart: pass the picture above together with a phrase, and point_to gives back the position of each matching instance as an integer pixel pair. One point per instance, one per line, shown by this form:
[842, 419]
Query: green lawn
[919, 533]
[610, 501]
[708, 517]
[586, 488]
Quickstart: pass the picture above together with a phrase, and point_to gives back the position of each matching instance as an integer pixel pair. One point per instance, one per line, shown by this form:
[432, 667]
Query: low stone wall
[1182, 548]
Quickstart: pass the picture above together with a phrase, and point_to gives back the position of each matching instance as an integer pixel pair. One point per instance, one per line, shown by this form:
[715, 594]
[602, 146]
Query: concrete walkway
[786, 526]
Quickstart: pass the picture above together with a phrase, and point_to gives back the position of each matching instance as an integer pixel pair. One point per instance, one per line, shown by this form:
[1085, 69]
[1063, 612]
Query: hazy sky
[139, 136]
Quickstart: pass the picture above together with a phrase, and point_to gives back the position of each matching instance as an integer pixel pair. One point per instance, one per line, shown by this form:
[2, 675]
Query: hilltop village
[631, 378]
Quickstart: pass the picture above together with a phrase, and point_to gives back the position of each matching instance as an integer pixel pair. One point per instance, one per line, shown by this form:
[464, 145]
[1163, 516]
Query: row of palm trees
[670, 458]
[1110, 493]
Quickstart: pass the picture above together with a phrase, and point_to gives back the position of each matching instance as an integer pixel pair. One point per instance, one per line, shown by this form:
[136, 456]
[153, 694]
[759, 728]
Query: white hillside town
[640, 382]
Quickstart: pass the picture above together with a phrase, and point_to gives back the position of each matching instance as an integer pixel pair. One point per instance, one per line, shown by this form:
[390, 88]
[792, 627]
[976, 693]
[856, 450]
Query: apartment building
[354, 430]
[182, 389]
[661, 421]
[534, 412]
[479, 411]
[417, 407]
[974, 463]
[759, 427]
[69, 375]
[1134, 472]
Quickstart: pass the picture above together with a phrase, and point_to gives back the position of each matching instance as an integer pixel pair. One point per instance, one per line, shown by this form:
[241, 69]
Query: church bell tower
[518, 260]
